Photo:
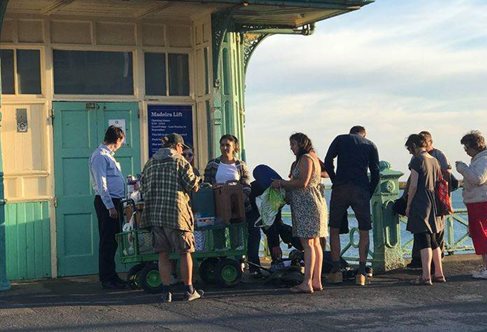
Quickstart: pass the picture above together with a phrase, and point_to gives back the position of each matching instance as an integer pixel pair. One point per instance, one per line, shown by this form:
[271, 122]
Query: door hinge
[52, 116]
[138, 113]
[54, 201]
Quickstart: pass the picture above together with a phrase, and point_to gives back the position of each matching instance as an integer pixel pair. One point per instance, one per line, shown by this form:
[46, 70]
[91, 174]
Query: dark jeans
[253, 240]
[107, 228]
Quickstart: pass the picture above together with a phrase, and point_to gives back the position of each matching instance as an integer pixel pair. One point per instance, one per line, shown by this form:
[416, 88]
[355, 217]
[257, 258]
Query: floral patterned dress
[308, 206]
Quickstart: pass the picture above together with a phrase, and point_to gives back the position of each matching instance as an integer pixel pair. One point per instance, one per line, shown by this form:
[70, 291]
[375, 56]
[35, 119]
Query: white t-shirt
[226, 172]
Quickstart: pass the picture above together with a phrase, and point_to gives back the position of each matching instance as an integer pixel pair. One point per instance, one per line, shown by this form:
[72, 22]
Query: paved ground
[388, 304]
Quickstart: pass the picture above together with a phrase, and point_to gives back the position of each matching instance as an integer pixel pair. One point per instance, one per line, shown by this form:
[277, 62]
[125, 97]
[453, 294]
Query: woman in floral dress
[307, 208]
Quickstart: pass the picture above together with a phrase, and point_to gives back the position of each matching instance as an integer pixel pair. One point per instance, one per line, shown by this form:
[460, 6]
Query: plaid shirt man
[166, 183]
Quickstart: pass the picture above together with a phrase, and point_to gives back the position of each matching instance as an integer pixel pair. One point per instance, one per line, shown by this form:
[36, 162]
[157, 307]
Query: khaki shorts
[165, 239]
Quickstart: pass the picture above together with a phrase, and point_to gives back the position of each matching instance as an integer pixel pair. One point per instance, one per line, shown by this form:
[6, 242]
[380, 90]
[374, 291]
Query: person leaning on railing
[475, 194]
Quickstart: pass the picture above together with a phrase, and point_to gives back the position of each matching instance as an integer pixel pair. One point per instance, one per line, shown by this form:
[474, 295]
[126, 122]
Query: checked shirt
[166, 184]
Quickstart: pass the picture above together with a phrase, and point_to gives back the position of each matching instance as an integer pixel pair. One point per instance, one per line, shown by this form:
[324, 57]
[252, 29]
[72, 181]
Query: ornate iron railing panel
[455, 241]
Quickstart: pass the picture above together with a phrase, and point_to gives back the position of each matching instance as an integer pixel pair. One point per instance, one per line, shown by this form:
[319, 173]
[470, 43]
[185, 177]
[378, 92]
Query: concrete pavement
[388, 304]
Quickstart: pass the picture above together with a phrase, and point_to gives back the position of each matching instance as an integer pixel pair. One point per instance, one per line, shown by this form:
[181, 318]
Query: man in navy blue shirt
[109, 186]
[351, 188]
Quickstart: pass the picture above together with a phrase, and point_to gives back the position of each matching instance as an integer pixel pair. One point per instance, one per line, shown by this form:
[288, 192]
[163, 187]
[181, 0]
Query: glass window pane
[155, 74]
[29, 71]
[7, 68]
[93, 72]
[178, 75]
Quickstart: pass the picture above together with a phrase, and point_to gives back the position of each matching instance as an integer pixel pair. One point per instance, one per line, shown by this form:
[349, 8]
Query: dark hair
[304, 143]
[113, 134]
[427, 136]
[233, 139]
[474, 140]
[415, 141]
[357, 130]
[172, 140]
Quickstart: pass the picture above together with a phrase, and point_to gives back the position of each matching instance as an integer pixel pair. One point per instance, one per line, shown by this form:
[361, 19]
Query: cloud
[395, 67]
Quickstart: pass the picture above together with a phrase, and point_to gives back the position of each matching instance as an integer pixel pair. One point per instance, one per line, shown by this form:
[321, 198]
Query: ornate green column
[4, 284]
[387, 234]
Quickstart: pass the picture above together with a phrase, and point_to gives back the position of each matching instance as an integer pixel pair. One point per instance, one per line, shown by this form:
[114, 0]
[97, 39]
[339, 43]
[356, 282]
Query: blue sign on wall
[167, 119]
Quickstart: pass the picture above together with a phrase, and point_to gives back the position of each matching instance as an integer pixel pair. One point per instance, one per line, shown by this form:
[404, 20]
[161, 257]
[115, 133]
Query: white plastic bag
[272, 200]
[129, 226]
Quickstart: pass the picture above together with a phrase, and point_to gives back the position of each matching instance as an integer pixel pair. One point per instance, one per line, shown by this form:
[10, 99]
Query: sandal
[298, 289]
[318, 289]
[439, 279]
[419, 281]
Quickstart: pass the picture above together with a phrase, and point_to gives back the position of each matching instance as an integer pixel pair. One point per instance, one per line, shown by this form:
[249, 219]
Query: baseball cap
[173, 139]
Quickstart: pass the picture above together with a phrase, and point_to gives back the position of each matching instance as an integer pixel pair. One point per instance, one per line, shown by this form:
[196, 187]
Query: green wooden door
[78, 130]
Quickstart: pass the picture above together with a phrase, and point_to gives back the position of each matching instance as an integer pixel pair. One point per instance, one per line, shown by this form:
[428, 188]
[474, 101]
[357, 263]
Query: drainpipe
[4, 284]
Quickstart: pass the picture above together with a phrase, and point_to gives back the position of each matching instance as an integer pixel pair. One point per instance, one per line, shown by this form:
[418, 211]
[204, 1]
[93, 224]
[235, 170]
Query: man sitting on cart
[167, 180]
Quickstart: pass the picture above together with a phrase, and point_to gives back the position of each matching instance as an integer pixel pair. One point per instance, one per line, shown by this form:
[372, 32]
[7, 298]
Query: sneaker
[481, 274]
[477, 270]
[166, 297]
[361, 280]
[334, 277]
[197, 294]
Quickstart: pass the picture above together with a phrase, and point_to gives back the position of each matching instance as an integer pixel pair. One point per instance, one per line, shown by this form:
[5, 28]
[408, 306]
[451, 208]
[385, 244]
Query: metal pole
[4, 284]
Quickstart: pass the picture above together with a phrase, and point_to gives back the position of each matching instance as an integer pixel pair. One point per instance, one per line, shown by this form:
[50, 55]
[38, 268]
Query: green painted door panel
[78, 130]
[129, 154]
[28, 240]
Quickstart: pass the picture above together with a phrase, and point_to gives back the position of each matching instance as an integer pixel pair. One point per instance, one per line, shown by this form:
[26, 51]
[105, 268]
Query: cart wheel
[150, 279]
[133, 276]
[228, 273]
[208, 270]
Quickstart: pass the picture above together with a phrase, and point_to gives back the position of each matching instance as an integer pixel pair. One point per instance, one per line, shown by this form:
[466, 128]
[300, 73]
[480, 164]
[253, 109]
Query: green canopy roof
[293, 13]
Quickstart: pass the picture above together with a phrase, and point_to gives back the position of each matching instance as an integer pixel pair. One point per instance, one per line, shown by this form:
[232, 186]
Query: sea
[459, 229]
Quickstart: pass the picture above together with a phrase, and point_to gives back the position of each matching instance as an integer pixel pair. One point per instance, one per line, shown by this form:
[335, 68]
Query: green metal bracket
[250, 43]
[386, 230]
[253, 35]
[4, 284]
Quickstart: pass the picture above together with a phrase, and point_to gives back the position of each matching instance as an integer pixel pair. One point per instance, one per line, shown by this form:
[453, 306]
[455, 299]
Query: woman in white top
[228, 168]
[475, 194]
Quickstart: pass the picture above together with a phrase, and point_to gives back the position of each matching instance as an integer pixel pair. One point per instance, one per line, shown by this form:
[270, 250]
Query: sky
[394, 67]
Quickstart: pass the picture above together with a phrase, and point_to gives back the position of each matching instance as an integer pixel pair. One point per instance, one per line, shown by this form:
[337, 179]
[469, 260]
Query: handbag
[442, 197]
[399, 206]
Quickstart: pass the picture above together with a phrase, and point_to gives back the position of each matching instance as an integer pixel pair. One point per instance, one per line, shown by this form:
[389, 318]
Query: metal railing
[455, 241]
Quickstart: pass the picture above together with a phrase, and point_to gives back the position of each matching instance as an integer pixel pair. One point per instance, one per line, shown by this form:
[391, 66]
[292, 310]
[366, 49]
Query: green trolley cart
[220, 252]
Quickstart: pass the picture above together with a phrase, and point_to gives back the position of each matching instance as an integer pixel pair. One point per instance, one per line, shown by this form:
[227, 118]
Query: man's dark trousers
[107, 228]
